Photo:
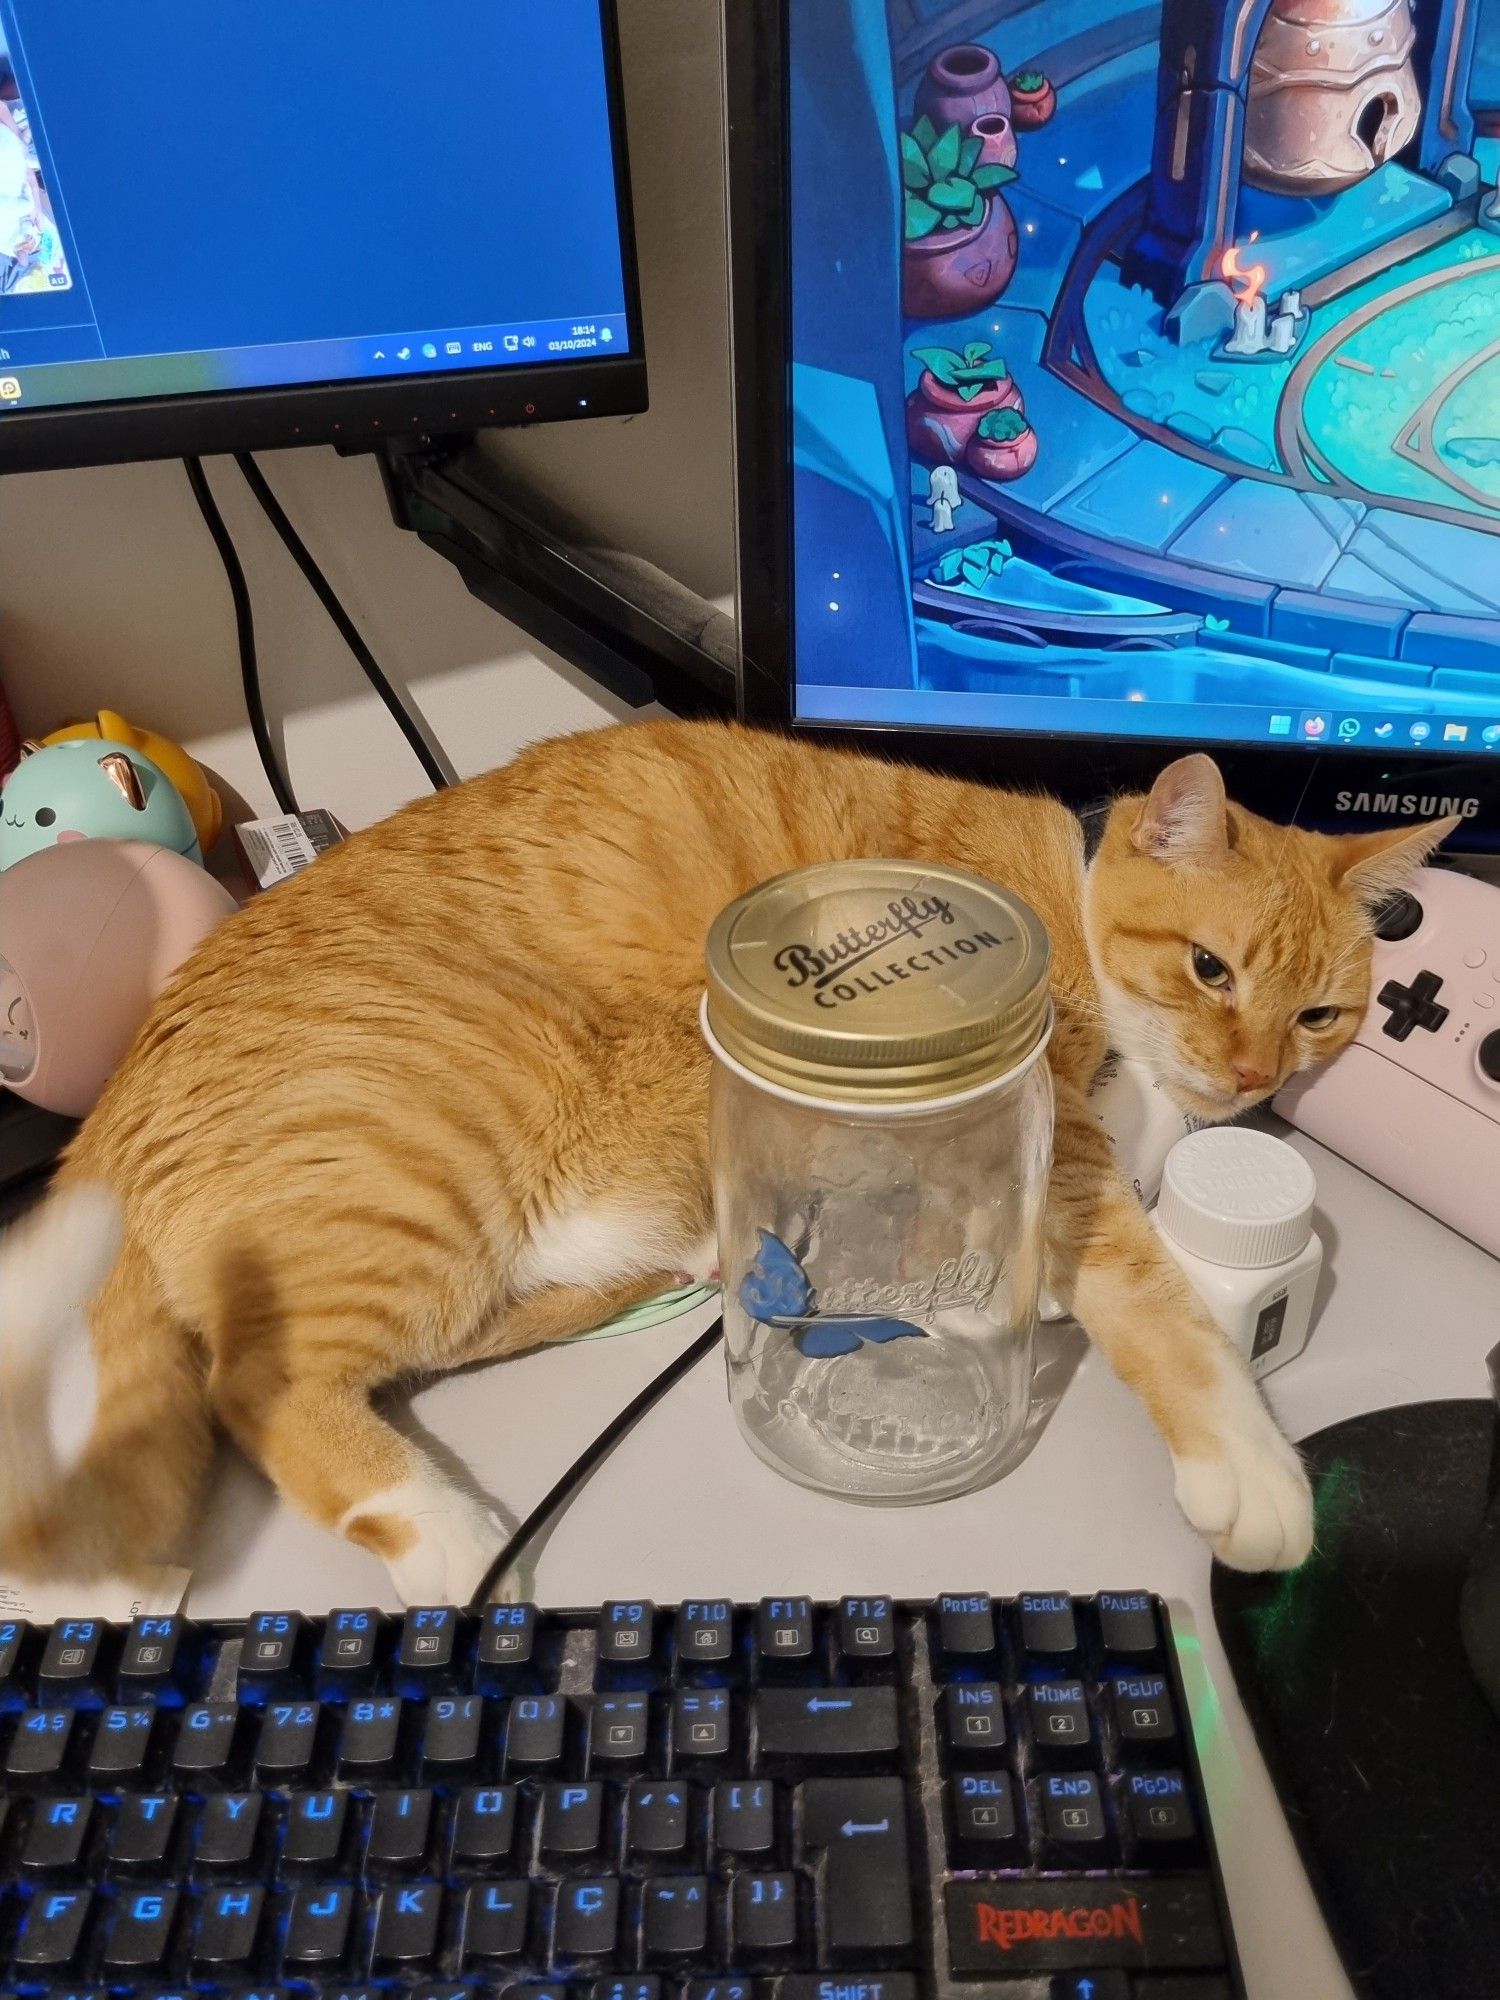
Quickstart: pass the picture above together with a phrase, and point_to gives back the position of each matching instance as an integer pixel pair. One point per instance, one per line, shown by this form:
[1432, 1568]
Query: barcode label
[277, 849]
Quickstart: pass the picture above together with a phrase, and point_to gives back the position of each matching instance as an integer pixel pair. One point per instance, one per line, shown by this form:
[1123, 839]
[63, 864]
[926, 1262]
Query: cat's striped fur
[442, 1098]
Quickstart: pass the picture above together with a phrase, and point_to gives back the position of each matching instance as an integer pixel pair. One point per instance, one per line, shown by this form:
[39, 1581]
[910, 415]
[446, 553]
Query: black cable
[244, 619]
[584, 1464]
[323, 590]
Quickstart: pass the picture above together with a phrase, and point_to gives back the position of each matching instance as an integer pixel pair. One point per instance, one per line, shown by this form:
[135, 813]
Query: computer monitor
[1119, 380]
[308, 220]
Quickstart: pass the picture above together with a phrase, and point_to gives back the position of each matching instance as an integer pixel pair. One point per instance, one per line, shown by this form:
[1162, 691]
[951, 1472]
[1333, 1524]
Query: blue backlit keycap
[207, 1747]
[140, 1930]
[587, 1919]
[965, 1629]
[866, 1631]
[1127, 1624]
[268, 1652]
[618, 1730]
[744, 1817]
[399, 1827]
[57, 1837]
[121, 1749]
[141, 1837]
[1049, 1630]
[228, 1930]
[228, 1832]
[1058, 1713]
[702, 1725]
[763, 1916]
[38, 1753]
[316, 1824]
[484, 1825]
[657, 1817]
[534, 1737]
[1145, 1720]
[982, 1819]
[288, 1745]
[627, 1632]
[1073, 1818]
[451, 1737]
[370, 1740]
[705, 1633]
[507, 1639]
[351, 1645]
[154, 1650]
[429, 1644]
[1161, 1814]
[973, 1721]
[674, 1920]
[15, 1636]
[71, 1667]
[784, 1628]
[495, 1916]
[52, 1932]
[572, 1820]
[406, 1926]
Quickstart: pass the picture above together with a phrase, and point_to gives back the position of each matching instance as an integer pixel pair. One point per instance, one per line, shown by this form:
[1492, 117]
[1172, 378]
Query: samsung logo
[1406, 805]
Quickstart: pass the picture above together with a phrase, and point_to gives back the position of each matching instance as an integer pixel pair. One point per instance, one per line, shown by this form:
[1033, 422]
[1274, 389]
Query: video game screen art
[1146, 367]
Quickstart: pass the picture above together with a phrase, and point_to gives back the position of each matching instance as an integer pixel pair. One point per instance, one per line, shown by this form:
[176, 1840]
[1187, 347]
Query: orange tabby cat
[443, 1097]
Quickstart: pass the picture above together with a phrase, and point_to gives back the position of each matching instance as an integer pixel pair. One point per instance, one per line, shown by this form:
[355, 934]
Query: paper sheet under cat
[443, 1097]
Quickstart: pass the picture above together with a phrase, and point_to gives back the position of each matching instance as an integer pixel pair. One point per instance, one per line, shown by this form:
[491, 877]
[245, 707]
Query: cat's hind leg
[1238, 1480]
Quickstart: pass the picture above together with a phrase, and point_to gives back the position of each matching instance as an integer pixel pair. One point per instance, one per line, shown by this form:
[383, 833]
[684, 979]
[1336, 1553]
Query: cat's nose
[1249, 1078]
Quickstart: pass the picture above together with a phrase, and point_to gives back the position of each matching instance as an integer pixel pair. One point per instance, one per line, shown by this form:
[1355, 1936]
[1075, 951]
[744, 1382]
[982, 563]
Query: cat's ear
[1373, 867]
[1185, 818]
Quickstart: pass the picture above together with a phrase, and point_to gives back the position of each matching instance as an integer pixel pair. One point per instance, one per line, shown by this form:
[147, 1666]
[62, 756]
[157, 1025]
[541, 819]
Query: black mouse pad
[1382, 1749]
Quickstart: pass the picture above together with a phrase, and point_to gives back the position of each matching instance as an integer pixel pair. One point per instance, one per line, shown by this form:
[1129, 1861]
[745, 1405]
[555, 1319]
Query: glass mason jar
[881, 1135]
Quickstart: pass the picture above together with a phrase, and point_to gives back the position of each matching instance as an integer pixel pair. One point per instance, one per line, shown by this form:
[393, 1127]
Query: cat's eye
[1318, 1017]
[45, 816]
[1212, 971]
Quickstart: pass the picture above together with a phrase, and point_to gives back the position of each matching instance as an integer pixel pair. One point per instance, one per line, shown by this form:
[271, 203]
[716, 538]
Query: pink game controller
[1415, 1098]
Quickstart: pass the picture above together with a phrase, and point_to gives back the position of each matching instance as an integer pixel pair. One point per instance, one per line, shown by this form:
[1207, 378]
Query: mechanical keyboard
[860, 1800]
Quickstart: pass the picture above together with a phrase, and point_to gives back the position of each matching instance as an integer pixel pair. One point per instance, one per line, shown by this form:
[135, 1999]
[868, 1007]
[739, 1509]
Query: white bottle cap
[1237, 1197]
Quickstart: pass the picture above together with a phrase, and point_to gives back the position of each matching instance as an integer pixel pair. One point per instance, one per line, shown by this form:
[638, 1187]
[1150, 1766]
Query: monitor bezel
[359, 413]
[1294, 782]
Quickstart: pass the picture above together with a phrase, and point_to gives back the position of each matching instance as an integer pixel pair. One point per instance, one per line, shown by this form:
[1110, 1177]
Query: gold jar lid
[878, 981]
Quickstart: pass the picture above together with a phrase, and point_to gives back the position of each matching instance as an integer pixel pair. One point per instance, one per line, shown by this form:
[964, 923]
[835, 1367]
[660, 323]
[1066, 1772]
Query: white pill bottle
[1235, 1211]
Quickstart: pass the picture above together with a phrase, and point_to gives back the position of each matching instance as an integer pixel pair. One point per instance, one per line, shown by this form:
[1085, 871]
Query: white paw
[446, 1539]
[1250, 1496]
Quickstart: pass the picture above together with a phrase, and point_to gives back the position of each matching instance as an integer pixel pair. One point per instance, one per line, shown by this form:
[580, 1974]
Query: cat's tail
[127, 1494]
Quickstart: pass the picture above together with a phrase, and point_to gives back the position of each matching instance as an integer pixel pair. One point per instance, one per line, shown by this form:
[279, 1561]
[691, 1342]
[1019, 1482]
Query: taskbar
[1424, 719]
[45, 382]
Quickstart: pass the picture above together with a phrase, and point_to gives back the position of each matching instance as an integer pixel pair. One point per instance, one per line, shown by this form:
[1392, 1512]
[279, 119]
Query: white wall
[112, 594]
[661, 484]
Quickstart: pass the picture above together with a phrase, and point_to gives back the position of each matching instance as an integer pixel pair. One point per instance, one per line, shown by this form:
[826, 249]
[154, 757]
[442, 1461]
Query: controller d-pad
[1413, 1006]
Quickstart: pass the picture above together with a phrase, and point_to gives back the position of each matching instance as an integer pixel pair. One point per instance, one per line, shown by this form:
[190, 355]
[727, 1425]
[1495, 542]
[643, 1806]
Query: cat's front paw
[1247, 1490]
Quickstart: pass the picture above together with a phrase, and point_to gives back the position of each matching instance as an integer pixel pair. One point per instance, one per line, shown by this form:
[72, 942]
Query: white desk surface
[1407, 1312]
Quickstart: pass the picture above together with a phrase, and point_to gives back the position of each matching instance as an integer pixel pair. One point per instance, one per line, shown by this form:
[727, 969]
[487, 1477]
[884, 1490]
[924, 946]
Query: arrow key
[1091, 1986]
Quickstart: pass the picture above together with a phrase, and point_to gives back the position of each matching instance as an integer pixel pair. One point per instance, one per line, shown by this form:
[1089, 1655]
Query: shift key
[839, 1725]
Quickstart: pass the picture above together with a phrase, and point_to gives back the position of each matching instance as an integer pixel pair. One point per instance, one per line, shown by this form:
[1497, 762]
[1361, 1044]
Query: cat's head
[1230, 952]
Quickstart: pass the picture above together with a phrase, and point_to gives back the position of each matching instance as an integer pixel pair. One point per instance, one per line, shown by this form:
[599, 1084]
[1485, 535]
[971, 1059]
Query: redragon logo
[1011, 1927]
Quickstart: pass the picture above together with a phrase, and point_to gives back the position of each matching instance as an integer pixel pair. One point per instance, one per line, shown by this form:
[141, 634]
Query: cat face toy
[91, 791]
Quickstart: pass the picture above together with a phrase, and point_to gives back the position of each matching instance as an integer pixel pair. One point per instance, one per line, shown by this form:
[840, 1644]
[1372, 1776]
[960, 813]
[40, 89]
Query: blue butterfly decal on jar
[777, 1292]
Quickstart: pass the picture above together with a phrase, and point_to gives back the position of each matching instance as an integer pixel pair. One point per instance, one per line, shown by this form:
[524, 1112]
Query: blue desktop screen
[1146, 368]
[199, 197]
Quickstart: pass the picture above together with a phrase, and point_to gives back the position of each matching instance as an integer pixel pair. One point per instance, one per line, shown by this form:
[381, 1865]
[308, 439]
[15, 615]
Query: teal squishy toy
[90, 790]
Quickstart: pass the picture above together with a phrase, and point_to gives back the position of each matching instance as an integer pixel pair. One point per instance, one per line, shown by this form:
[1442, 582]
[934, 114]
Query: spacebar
[1000, 1924]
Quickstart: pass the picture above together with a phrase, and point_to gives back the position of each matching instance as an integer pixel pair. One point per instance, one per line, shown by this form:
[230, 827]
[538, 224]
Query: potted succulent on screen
[958, 387]
[1003, 447]
[1032, 99]
[960, 237]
